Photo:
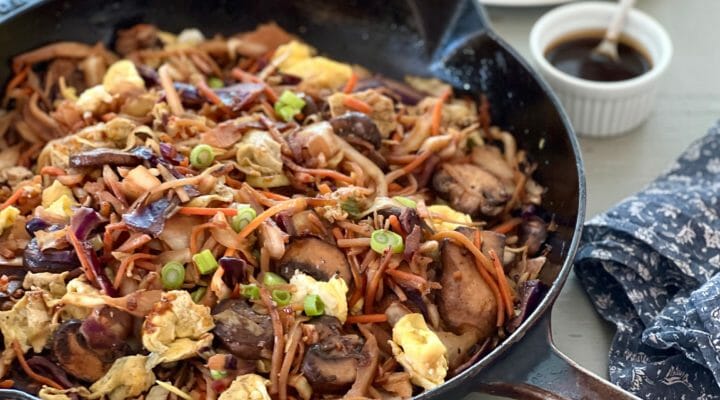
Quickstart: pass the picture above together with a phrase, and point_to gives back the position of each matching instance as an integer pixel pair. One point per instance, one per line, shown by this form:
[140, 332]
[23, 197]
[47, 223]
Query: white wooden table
[688, 104]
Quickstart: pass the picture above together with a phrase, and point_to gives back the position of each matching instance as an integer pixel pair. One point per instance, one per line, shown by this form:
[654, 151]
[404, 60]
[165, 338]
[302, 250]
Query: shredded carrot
[245, 76]
[207, 211]
[437, 112]
[395, 224]
[274, 196]
[502, 283]
[13, 198]
[351, 83]
[373, 285]
[357, 105]
[323, 188]
[297, 204]
[17, 79]
[209, 94]
[327, 173]
[477, 241]
[7, 384]
[366, 319]
[508, 225]
[52, 170]
[279, 339]
[29, 372]
[337, 233]
[462, 239]
[416, 280]
[126, 263]
[107, 236]
[80, 251]
[270, 93]
[358, 293]
[421, 158]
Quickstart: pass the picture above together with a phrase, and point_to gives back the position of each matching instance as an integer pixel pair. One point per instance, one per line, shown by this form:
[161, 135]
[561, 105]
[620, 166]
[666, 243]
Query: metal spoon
[608, 48]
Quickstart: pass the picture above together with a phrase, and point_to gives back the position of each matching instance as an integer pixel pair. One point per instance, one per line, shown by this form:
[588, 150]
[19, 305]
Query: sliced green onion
[251, 292]
[381, 240]
[244, 216]
[202, 156]
[215, 83]
[273, 279]
[198, 294]
[313, 305]
[281, 297]
[216, 374]
[205, 261]
[173, 275]
[406, 201]
[288, 105]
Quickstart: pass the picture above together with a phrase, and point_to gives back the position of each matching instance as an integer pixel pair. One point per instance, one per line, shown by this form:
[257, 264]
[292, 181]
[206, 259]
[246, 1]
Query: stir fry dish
[191, 217]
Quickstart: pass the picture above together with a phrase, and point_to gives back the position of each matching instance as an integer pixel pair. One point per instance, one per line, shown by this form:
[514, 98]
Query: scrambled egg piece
[62, 207]
[79, 299]
[247, 387]
[52, 284]
[29, 322]
[53, 192]
[7, 218]
[258, 155]
[92, 99]
[128, 377]
[315, 71]
[420, 351]
[333, 293]
[122, 77]
[447, 215]
[177, 328]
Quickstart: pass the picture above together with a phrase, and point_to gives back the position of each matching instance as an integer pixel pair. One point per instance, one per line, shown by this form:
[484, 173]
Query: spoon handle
[618, 20]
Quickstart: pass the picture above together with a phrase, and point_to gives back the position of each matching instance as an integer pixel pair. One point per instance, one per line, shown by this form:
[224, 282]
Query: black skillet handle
[439, 20]
[534, 368]
[9, 8]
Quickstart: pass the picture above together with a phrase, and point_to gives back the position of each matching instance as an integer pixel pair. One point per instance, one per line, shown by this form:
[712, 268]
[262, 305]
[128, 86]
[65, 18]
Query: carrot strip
[502, 283]
[337, 233]
[323, 188]
[273, 196]
[500, 319]
[17, 79]
[395, 224]
[243, 76]
[366, 319]
[373, 285]
[207, 211]
[296, 204]
[508, 225]
[278, 342]
[421, 158]
[209, 94]
[357, 105]
[417, 280]
[270, 93]
[126, 263]
[29, 372]
[12, 199]
[52, 170]
[80, 251]
[7, 384]
[437, 113]
[351, 83]
[462, 239]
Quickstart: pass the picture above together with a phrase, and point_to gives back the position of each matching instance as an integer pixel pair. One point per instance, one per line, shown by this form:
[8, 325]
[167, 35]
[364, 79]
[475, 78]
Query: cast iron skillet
[450, 39]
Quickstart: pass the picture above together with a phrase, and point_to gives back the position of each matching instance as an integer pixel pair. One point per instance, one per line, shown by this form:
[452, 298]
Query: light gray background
[688, 104]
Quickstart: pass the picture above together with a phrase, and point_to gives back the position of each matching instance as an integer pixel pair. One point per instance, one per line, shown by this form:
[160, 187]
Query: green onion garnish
[216, 374]
[281, 297]
[244, 216]
[313, 305]
[406, 201]
[173, 275]
[202, 156]
[205, 261]
[288, 105]
[273, 279]
[251, 292]
[215, 82]
[198, 294]
[381, 240]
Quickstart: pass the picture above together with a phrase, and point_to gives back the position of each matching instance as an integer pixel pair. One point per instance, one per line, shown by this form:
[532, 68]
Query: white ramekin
[602, 109]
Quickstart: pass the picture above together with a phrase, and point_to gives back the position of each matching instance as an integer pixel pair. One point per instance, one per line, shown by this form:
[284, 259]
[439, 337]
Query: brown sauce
[572, 54]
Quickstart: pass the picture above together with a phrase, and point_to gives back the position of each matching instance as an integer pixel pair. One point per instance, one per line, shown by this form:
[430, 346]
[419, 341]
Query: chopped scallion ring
[198, 294]
[202, 156]
[406, 201]
[251, 292]
[215, 83]
[243, 217]
[313, 305]
[281, 297]
[205, 261]
[288, 105]
[381, 240]
[217, 374]
[273, 279]
[173, 275]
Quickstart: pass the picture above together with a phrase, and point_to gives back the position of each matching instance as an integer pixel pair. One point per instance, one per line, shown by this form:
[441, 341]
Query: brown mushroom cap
[465, 299]
[315, 257]
[470, 189]
[242, 331]
[77, 358]
[104, 156]
[358, 125]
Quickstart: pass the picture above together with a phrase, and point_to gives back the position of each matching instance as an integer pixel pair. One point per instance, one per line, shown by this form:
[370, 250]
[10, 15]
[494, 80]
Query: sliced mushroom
[358, 125]
[490, 159]
[308, 223]
[242, 331]
[465, 300]
[316, 145]
[317, 258]
[331, 364]
[104, 156]
[533, 232]
[79, 359]
[458, 346]
[470, 189]
[493, 241]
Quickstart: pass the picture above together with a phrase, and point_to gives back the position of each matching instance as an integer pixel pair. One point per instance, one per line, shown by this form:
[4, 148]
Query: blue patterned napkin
[650, 266]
